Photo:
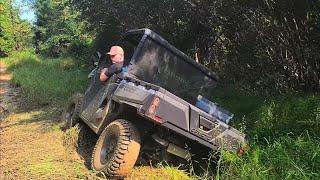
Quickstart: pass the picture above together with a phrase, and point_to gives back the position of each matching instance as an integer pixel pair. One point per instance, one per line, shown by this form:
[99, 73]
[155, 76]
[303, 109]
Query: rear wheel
[70, 115]
[117, 149]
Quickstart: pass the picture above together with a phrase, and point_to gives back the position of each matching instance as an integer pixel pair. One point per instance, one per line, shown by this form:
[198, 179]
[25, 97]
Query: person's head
[116, 54]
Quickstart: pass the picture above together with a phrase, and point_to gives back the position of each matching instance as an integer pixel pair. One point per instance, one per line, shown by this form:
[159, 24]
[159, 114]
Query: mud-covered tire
[70, 115]
[117, 149]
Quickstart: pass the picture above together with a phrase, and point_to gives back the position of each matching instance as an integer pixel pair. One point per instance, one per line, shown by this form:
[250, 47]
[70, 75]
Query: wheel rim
[108, 148]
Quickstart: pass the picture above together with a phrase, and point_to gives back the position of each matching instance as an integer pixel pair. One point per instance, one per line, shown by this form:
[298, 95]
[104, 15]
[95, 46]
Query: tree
[262, 45]
[15, 34]
[6, 35]
[58, 27]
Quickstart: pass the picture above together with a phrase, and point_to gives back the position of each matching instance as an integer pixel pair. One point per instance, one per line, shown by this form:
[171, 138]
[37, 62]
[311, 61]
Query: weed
[70, 139]
[78, 168]
[293, 158]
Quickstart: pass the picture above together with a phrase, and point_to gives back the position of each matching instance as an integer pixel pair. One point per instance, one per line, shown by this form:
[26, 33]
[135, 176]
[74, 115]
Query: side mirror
[95, 59]
[98, 54]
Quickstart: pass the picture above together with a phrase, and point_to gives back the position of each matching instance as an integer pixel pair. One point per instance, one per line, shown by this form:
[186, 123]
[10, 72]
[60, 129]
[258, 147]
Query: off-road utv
[160, 95]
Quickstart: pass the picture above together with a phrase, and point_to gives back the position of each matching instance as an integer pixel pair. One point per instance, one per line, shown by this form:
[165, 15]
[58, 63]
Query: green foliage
[59, 30]
[283, 134]
[15, 34]
[272, 116]
[6, 36]
[288, 115]
[47, 82]
[285, 158]
[260, 45]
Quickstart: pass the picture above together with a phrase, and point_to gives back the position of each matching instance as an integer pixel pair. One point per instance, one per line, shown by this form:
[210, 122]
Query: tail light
[153, 108]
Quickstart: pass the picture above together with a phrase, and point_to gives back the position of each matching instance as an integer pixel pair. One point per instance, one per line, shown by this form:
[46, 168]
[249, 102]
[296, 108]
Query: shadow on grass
[46, 117]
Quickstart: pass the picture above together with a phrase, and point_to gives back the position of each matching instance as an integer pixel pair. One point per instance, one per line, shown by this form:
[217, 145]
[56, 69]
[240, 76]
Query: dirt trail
[31, 143]
[6, 103]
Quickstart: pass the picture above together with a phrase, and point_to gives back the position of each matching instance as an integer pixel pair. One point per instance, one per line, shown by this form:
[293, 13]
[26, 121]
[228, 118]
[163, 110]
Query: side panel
[170, 110]
[135, 95]
[174, 112]
[95, 98]
[214, 131]
[178, 115]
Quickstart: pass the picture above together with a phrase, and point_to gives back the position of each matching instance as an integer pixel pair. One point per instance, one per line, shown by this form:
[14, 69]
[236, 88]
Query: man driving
[117, 57]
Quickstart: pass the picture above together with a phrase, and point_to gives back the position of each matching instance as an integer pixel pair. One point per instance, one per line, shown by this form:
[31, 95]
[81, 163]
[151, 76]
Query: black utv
[160, 95]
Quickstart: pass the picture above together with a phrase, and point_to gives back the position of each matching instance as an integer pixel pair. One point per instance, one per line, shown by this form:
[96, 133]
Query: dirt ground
[31, 143]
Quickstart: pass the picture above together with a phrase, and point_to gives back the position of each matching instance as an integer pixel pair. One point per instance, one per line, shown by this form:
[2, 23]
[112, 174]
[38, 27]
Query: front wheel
[117, 149]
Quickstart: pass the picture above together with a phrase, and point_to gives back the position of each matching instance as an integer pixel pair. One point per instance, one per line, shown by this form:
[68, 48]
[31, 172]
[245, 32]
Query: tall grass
[284, 133]
[46, 81]
[284, 158]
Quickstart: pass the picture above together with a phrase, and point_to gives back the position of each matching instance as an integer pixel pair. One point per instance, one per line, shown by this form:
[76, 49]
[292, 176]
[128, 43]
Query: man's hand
[103, 77]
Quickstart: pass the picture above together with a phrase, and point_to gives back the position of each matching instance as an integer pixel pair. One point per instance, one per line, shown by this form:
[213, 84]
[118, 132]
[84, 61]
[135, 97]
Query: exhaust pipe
[172, 148]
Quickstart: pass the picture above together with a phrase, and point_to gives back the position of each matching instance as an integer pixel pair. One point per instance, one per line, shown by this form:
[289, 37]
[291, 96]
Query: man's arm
[103, 76]
[108, 72]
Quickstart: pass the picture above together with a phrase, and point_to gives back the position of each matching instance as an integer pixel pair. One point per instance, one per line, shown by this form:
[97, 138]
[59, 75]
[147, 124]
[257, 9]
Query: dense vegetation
[15, 34]
[263, 46]
[268, 50]
[270, 44]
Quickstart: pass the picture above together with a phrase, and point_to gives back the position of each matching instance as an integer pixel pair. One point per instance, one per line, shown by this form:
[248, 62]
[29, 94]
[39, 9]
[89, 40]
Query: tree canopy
[58, 27]
[267, 43]
[15, 34]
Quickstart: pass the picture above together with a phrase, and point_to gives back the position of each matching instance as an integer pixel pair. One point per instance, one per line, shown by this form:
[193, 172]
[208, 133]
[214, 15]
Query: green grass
[284, 136]
[284, 158]
[46, 81]
[78, 168]
[161, 172]
[42, 168]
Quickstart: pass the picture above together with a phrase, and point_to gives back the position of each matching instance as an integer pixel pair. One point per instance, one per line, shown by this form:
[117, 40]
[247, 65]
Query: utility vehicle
[160, 96]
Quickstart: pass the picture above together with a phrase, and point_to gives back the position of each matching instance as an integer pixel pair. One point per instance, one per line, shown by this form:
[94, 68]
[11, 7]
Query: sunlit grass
[283, 135]
[46, 81]
[161, 172]
[285, 158]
